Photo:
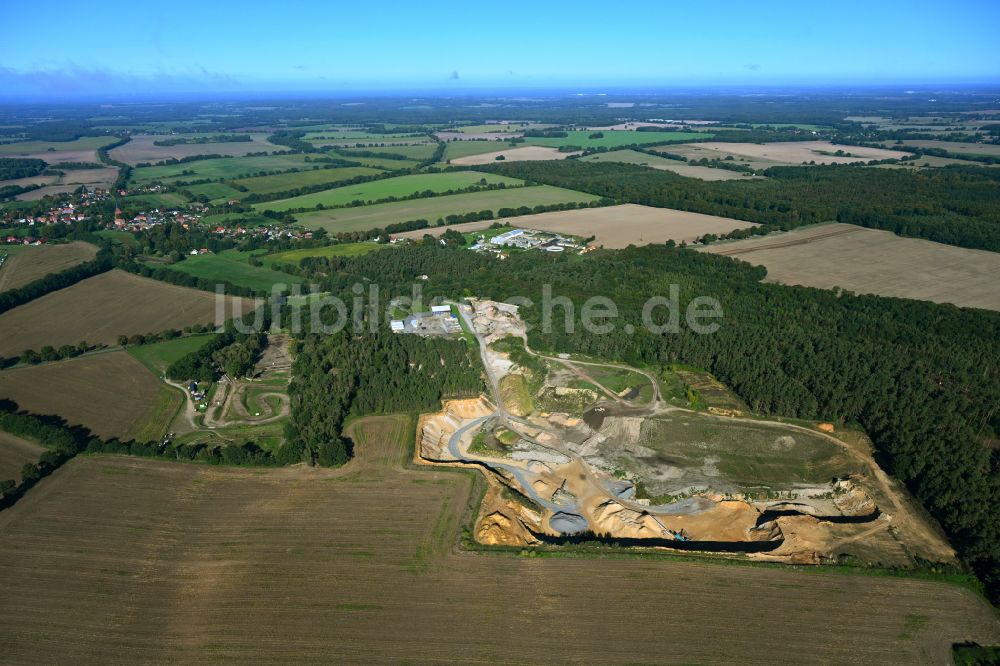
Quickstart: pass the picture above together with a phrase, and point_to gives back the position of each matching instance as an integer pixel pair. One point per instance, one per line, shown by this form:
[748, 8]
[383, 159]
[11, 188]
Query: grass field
[400, 186]
[873, 262]
[110, 393]
[958, 148]
[14, 453]
[101, 308]
[158, 200]
[289, 181]
[233, 266]
[612, 138]
[741, 456]
[381, 162]
[378, 215]
[26, 264]
[665, 164]
[341, 250]
[224, 167]
[420, 151]
[160, 355]
[613, 227]
[214, 191]
[358, 564]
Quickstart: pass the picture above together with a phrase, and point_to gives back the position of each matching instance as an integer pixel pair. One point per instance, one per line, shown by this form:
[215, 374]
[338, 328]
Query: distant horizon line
[562, 90]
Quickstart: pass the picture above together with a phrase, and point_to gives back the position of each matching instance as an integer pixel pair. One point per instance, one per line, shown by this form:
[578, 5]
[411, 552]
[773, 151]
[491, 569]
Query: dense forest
[955, 205]
[353, 373]
[922, 379]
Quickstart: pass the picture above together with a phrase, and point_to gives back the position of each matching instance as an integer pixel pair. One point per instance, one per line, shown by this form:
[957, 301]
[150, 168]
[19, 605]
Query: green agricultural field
[160, 355]
[83, 143]
[613, 138]
[420, 151]
[289, 181]
[243, 219]
[378, 162]
[361, 218]
[221, 167]
[214, 191]
[480, 129]
[156, 200]
[121, 237]
[340, 250]
[234, 266]
[399, 186]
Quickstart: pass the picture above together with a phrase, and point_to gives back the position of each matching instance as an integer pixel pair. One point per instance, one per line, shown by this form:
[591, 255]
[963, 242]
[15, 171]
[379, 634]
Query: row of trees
[955, 205]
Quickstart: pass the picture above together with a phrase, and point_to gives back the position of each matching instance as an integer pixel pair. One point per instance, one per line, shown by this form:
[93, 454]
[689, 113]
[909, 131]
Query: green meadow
[283, 182]
[220, 167]
[362, 218]
[399, 186]
[612, 138]
[293, 257]
[233, 266]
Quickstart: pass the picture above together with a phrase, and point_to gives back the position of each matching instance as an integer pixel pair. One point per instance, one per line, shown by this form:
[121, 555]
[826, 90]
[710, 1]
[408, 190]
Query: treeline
[922, 379]
[55, 281]
[20, 167]
[61, 442]
[229, 351]
[124, 170]
[292, 139]
[215, 138]
[348, 374]
[955, 205]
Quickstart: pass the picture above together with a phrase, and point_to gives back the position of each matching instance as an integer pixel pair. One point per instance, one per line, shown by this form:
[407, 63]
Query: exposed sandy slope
[522, 154]
[873, 262]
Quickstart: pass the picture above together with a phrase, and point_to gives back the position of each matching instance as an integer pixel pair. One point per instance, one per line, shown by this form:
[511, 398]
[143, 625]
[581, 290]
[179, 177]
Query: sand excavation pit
[647, 473]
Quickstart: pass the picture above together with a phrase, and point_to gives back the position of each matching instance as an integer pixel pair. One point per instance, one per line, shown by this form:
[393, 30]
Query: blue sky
[68, 49]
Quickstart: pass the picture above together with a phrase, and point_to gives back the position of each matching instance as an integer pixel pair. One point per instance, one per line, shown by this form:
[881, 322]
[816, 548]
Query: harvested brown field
[115, 559]
[31, 263]
[71, 180]
[522, 154]
[958, 148]
[764, 155]
[874, 262]
[101, 308]
[14, 452]
[111, 394]
[141, 148]
[614, 226]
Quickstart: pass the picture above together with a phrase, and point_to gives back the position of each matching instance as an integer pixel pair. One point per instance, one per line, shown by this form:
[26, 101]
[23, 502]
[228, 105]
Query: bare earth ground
[101, 308]
[14, 452]
[763, 155]
[116, 560]
[141, 148]
[111, 394]
[614, 226]
[522, 154]
[664, 164]
[34, 262]
[874, 262]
